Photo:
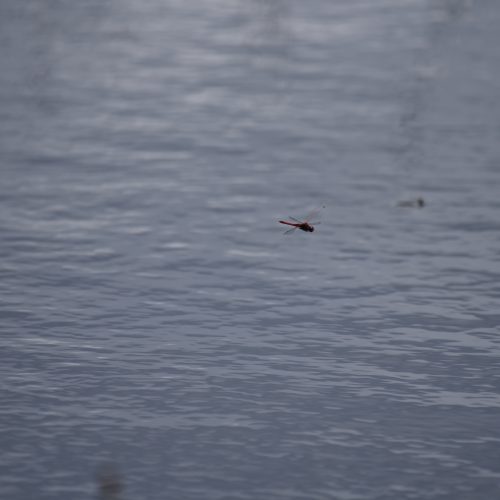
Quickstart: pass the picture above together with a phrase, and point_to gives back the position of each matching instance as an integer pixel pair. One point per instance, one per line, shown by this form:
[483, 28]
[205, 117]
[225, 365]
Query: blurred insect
[305, 224]
[110, 484]
[417, 202]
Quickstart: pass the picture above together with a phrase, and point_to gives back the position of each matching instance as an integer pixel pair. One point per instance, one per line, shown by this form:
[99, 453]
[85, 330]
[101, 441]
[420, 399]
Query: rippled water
[153, 315]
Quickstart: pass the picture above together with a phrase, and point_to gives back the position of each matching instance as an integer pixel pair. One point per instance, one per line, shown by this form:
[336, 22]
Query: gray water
[155, 319]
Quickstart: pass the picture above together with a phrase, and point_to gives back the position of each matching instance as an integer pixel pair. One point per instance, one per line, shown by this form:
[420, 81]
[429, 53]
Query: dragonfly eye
[312, 229]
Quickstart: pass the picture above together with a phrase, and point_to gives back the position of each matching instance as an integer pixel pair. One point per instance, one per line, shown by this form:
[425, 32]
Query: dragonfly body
[304, 226]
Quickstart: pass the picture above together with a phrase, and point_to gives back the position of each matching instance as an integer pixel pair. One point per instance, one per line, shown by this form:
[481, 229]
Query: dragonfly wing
[290, 231]
[295, 220]
[313, 214]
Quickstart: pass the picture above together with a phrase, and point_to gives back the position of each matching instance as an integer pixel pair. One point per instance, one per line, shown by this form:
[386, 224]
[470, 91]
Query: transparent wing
[313, 215]
[294, 219]
[290, 231]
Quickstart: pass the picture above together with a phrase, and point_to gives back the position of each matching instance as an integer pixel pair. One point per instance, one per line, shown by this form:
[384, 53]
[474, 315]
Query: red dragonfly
[304, 225]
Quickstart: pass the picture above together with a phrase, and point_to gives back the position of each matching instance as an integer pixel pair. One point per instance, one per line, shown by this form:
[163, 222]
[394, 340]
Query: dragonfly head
[311, 229]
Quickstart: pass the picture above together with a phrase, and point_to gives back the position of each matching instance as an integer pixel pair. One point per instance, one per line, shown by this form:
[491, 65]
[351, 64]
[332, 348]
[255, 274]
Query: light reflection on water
[155, 318]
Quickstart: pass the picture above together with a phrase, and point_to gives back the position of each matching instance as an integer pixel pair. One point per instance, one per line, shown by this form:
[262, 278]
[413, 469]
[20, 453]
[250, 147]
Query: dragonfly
[305, 224]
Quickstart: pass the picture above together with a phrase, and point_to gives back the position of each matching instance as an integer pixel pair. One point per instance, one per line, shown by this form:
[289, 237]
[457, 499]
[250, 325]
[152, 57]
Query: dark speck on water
[153, 316]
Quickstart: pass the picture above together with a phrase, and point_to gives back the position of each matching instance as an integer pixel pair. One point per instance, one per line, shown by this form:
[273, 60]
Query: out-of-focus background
[155, 321]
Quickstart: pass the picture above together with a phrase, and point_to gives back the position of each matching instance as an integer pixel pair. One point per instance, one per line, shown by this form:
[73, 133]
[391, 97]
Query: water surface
[153, 315]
